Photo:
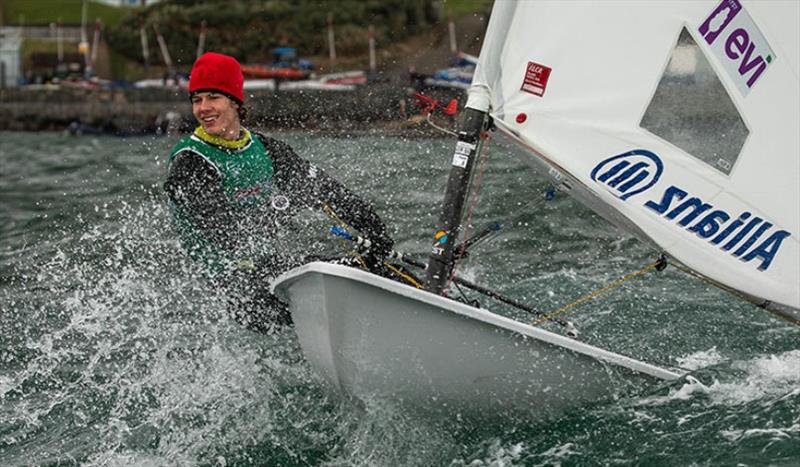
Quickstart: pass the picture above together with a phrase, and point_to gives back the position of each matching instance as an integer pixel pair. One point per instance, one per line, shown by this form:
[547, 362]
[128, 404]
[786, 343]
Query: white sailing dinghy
[677, 121]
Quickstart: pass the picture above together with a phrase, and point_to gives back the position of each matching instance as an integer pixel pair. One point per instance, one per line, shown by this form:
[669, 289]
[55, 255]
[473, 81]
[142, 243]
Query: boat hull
[375, 338]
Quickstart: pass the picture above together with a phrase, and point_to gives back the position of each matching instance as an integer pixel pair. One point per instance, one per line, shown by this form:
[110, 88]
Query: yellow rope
[360, 259]
[333, 215]
[645, 269]
[344, 244]
[594, 294]
[405, 276]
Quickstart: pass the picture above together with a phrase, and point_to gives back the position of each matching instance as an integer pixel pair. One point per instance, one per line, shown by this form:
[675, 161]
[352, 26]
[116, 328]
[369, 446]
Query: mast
[331, 40]
[201, 41]
[162, 44]
[440, 261]
[83, 47]
[372, 61]
[451, 29]
[60, 41]
[95, 44]
[145, 46]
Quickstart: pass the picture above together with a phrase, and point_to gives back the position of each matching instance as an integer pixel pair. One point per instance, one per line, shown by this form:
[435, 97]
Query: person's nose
[204, 105]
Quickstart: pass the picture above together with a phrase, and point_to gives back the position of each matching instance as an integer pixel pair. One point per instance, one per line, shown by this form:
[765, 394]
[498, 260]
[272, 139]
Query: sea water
[115, 351]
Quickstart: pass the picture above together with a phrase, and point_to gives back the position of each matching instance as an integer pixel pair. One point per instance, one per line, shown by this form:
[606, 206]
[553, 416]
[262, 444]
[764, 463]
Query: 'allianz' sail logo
[629, 173]
[737, 43]
[744, 236]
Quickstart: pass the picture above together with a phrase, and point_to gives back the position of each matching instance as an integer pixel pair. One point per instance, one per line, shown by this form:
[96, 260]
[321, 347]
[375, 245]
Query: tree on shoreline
[250, 29]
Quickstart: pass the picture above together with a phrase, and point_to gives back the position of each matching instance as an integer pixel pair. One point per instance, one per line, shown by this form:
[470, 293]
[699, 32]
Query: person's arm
[194, 185]
[317, 189]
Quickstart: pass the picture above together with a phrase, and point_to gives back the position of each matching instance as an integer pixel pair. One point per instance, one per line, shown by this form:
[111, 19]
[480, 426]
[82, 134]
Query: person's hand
[380, 249]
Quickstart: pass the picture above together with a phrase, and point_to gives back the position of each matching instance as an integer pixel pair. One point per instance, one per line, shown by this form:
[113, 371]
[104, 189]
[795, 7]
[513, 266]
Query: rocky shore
[133, 111]
[383, 103]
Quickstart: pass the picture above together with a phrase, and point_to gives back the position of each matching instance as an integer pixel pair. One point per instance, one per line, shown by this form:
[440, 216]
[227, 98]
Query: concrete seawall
[143, 110]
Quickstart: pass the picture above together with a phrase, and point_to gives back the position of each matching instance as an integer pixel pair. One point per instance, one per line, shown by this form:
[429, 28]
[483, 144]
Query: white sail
[681, 120]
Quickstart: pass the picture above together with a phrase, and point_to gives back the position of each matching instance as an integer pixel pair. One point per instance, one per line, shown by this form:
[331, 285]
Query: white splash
[557, 454]
[764, 377]
[773, 433]
[768, 376]
[498, 455]
[701, 359]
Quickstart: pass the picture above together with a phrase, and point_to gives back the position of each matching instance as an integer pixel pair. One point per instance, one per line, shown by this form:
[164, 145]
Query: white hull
[373, 337]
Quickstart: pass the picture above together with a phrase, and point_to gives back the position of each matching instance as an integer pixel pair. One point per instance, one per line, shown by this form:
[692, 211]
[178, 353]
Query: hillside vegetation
[250, 29]
[44, 12]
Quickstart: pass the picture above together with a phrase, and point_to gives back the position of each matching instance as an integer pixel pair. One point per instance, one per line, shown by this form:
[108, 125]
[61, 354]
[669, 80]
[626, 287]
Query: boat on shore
[269, 72]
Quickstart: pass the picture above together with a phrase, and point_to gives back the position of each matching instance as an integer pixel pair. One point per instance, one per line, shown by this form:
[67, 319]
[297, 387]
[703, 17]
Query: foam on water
[744, 381]
[145, 360]
[499, 455]
[766, 377]
[700, 359]
[115, 352]
[130, 337]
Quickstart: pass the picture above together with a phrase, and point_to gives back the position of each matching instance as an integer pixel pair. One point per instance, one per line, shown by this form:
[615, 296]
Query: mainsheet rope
[349, 252]
[659, 265]
[352, 252]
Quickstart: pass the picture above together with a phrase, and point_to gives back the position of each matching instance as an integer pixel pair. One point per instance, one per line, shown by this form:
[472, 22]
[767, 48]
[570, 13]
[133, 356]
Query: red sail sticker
[536, 77]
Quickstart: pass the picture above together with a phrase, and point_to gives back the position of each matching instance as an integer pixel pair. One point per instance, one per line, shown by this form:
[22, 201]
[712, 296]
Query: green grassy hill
[44, 12]
[246, 29]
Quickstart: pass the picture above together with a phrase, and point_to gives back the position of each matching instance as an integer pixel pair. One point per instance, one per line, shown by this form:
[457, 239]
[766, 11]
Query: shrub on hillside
[249, 29]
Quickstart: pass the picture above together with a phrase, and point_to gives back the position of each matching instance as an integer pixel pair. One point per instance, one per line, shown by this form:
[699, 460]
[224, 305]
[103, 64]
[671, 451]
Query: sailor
[233, 191]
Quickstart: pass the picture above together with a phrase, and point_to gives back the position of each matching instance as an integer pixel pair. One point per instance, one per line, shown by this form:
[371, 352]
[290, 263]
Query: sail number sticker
[461, 156]
[536, 77]
[737, 43]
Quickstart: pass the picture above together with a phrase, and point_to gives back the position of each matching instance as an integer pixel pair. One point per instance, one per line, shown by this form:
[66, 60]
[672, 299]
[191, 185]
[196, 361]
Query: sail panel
[576, 82]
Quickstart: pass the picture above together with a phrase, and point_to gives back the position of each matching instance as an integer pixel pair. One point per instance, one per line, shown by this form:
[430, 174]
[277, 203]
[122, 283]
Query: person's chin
[213, 130]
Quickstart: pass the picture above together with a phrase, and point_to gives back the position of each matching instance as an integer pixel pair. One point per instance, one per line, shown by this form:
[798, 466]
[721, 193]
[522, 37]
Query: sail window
[692, 110]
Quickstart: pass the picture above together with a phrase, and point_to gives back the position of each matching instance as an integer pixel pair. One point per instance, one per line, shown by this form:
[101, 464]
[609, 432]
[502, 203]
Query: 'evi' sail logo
[629, 173]
[737, 43]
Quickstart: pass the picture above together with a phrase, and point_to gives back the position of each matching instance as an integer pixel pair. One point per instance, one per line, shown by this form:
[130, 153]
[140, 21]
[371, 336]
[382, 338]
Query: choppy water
[114, 352]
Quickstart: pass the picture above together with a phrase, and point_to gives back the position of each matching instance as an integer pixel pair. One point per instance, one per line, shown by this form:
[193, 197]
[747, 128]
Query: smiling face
[217, 113]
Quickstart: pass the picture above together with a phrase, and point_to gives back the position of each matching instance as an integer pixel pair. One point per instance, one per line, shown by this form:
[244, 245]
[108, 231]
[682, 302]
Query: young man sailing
[233, 191]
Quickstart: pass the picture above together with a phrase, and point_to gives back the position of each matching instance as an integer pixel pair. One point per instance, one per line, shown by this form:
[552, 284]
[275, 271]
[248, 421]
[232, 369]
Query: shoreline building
[10, 65]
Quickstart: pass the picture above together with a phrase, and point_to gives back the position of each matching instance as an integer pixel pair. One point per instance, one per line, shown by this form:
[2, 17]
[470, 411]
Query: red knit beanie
[217, 72]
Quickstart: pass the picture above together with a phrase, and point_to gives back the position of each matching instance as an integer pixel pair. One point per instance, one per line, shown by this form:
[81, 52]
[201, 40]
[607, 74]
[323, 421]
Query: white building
[10, 66]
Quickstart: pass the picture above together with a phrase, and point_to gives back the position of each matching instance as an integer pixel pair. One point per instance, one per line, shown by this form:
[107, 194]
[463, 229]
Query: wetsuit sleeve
[194, 185]
[317, 189]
